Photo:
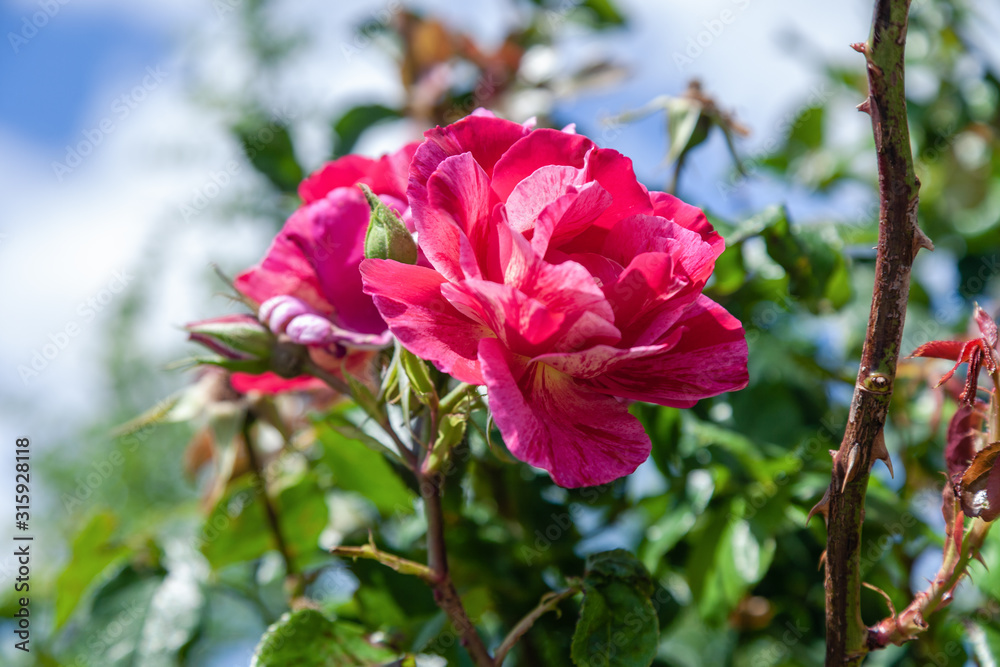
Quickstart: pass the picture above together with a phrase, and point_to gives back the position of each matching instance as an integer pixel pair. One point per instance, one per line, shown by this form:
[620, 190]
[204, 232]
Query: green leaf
[358, 468]
[419, 375]
[233, 340]
[451, 430]
[817, 269]
[807, 129]
[986, 642]
[805, 134]
[666, 533]
[349, 127]
[252, 366]
[664, 425]
[268, 146]
[618, 626]
[93, 552]
[307, 638]
[684, 129]
[141, 618]
[237, 529]
[730, 273]
[727, 560]
[605, 13]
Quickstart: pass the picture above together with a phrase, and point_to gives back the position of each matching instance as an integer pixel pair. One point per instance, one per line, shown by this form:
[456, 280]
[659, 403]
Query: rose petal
[341, 173]
[550, 421]
[614, 172]
[539, 149]
[690, 217]
[332, 238]
[284, 270]
[647, 287]
[566, 287]
[521, 322]
[568, 216]
[709, 358]
[455, 216]
[600, 359]
[647, 233]
[387, 175]
[530, 197]
[409, 297]
[486, 137]
[271, 383]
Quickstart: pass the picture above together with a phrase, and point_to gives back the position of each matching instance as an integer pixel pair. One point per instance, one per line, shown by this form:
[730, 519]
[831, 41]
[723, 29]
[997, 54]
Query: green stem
[548, 603]
[448, 404]
[310, 368]
[371, 552]
[295, 581]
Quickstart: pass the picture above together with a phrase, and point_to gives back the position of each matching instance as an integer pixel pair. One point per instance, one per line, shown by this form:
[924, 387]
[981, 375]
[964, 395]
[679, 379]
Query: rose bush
[308, 288]
[550, 275]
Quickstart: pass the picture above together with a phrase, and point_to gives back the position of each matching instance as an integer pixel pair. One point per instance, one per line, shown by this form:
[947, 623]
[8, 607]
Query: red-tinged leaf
[942, 349]
[972, 377]
[979, 489]
[947, 376]
[966, 353]
[964, 430]
[987, 326]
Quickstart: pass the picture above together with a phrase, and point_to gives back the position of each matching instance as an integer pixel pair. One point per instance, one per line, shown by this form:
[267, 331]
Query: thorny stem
[437, 559]
[370, 551]
[899, 240]
[548, 603]
[900, 628]
[905, 626]
[274, 524]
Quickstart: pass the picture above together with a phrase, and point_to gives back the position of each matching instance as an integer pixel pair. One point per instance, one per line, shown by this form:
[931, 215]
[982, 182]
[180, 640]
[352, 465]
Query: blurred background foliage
[168, 559]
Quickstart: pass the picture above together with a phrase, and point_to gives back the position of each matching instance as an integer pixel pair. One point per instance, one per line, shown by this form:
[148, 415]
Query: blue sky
[57, 69]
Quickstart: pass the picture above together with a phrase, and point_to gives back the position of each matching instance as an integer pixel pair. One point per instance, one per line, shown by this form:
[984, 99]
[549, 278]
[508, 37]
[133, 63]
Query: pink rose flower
[308, 286]
[558, 281]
